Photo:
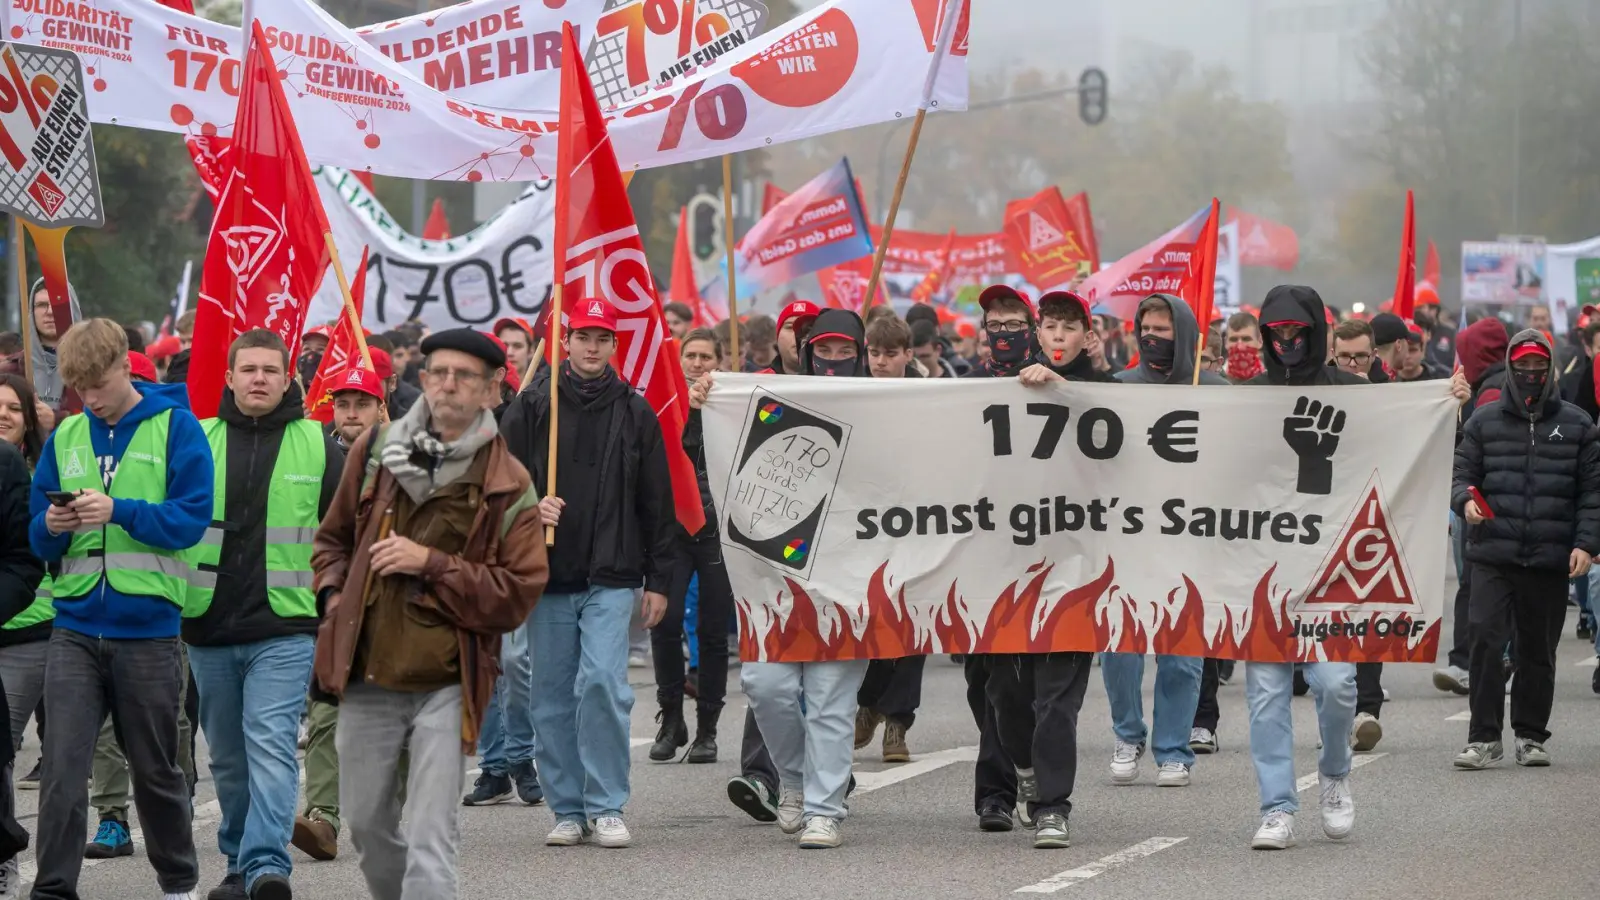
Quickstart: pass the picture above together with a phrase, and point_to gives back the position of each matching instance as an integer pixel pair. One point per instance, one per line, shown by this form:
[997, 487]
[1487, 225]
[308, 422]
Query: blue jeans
[507, 738]
[579, 644]
[691, 620]
[1269, 690]
[807, 714]
[251, 698]
[1594, 596]
[1177, 695]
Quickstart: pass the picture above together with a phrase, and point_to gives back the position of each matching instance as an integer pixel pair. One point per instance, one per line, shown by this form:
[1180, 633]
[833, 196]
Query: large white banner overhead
[372, 101]
[502, 269]
[1259, 523]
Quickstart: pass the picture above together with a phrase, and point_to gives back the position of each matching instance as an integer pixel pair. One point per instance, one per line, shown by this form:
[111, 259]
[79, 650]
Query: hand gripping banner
[1265, 524]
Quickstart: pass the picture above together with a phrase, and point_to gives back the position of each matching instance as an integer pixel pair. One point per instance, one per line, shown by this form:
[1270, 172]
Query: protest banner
[1046, 240]
[1157, 267]
[843, 64]
[50, 180]
[1502, 272]
[1263, 242]
[1266, 524]
[820, 224]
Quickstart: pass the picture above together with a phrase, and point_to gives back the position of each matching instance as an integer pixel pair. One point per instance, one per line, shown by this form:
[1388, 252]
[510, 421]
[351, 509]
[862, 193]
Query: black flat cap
[1388, 328]
[465, 340]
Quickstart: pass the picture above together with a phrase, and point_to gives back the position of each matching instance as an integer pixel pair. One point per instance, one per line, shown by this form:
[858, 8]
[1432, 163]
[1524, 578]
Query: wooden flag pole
[25, 320]
[533, 366]
[894, 210]
[349, 302]
[555, 401]
[731, 281]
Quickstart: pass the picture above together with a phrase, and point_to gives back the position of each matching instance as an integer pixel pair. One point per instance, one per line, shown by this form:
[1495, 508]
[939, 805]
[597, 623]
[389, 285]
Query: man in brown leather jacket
[432, 549]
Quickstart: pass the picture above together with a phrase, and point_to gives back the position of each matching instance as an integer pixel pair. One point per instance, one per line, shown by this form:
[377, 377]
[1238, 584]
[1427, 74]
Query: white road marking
[867, 782]
[1589, 663]
[1083, 873]
[1464, 716]
[1307, 782]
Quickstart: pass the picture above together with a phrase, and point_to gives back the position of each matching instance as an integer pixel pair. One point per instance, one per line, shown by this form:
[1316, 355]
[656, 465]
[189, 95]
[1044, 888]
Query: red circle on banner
[99, 84]
[361, 124]
[814, 73]
[181, 115]
[208, 129]
[554, 4]
[474, 175]
[372, 141]
[526, 151]
[16, 31]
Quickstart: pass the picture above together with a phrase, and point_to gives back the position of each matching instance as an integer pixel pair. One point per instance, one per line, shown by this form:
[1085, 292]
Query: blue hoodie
[177, 523]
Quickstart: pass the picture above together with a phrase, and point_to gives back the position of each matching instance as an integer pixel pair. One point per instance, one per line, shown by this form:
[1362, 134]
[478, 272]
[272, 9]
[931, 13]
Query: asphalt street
[1423, 829]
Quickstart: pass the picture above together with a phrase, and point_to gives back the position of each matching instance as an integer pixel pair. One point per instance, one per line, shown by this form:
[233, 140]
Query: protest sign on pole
[50, 180]
[1212, 522]
[1046, 243]
[1157, 267]
[1502, 272]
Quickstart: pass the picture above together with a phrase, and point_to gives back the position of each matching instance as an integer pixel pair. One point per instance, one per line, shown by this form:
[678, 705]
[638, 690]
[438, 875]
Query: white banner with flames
[879, 519]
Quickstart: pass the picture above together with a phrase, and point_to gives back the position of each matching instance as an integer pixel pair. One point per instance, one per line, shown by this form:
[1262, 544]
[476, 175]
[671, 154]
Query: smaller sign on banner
[1500, 272]
[50, 177]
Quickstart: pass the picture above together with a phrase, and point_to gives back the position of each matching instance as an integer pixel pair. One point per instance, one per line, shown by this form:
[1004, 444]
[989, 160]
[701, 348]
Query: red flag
[1430, 269]
[183, 6]
[1200, 282]
[683, 289]
[1083, 219]
[1405, 282]
[1044, 240]
[267, 252]
[366, 181]
[772, 196]
[598, 254]
[940, 276]
[343, 353]
[1265, 243]
[437, 227]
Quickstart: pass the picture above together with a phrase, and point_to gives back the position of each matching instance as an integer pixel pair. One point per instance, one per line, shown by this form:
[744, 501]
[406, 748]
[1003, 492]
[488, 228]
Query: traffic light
[1093, 96]
[705, 222]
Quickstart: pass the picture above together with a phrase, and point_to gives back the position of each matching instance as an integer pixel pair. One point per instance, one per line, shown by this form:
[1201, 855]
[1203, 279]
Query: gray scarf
[448, 461]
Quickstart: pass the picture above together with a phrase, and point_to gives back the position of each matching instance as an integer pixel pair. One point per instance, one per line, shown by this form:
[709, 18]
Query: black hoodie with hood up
[1298, 303]
[1185, 338]
[837, 323]
[1538, 467]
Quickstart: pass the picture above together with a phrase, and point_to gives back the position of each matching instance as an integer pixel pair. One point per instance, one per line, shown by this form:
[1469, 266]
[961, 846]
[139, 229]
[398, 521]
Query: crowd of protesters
[378, 590]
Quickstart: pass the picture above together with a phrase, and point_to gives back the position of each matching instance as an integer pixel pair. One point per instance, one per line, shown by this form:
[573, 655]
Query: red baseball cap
[363, 381]
[382, 363]
[141, 367]
[1002, 291]
[319, 331]
[592, 313]
[164, 347]
[500, 325]
[1065, 295]
[1529, 348]
[965, 329]
[799, 311]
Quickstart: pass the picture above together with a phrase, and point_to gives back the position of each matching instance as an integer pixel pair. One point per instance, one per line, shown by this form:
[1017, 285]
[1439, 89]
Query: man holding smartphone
[1527, 482]
[139, 470]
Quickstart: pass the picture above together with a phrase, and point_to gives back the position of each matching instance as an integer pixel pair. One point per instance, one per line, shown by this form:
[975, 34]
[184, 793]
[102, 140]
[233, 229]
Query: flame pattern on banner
[1096, 616]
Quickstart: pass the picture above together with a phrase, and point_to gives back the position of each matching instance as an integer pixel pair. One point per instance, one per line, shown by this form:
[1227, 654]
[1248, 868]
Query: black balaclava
[844, 368]
[1158, 352]
[1294, 351]
[1010, 348]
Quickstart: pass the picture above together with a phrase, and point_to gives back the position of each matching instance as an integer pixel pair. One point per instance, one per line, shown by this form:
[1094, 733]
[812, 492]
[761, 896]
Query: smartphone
[1483, 505]
[60, 498]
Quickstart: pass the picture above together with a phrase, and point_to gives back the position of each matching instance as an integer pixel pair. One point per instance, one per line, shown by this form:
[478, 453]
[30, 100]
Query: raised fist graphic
[1312, 432]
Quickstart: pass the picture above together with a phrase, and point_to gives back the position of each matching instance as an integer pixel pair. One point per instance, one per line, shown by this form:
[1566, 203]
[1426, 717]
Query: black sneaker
[754, 797]
[489, 790]
[111, 840]
[1595, 683]
[526, 778]
[996, 816]
[1585, 628]
[30, 781]
[231, 888]
[271, 886]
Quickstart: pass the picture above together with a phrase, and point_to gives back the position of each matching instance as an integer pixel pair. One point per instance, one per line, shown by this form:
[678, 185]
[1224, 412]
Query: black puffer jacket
[1538, 469]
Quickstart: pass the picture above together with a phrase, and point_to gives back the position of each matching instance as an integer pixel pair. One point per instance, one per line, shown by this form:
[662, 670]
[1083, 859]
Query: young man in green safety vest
[138, 472]
[250, 618]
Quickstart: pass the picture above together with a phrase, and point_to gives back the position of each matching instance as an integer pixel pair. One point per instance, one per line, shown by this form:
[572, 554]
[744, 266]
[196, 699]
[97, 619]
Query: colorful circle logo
[795, 551]
[770, 414]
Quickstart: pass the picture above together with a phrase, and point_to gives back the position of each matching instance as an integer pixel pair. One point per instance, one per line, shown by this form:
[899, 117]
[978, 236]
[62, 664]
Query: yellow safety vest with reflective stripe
[293, 494]
[129, 566]
[43, 608]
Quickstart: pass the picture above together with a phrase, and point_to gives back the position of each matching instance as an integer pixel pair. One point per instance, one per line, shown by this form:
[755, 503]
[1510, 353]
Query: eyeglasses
[461, 376]
[999, 327]
[1356, 359]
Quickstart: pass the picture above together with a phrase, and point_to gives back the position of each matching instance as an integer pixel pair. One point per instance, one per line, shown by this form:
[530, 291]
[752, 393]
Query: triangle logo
[1366, 570]
[1257, 239]
[1041, 234]
[74, 467]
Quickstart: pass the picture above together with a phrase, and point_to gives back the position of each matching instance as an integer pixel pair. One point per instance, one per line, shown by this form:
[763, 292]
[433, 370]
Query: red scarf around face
[1244, 362]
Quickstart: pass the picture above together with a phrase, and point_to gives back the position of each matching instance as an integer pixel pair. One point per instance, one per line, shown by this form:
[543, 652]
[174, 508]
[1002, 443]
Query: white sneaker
[1276, 832]
[791, 811]
[10, 879]
[822, 833]
[1453, 680]
[186, 895]
[1173, 774]
[567, 833]
[1366, 733]
[1125, 762]
[1202, 740]
[1338, 807]
[1027, 792]
[612, 832]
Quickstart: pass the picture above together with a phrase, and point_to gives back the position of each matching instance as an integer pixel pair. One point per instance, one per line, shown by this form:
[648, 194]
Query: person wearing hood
[46, 365]
[250, 616]
[615, 542]
[1168, 335]
[140, 471]
[1527, 483]
[1294, 337]
[807, 711]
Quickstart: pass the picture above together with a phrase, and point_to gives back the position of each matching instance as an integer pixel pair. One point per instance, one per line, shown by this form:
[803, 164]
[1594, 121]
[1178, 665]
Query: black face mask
[1157, 352]
[1425, 319]
[1009, 348]
[1530, 384]
[844, 368]
[1291, 352]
